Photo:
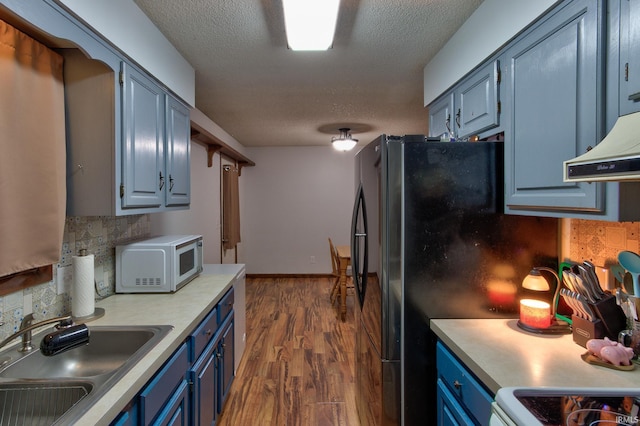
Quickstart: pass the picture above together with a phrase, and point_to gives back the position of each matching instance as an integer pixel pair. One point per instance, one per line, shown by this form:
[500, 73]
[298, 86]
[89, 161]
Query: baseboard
[289, 276]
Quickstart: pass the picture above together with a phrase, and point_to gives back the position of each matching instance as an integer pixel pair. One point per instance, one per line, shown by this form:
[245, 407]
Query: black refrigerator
[429, 240]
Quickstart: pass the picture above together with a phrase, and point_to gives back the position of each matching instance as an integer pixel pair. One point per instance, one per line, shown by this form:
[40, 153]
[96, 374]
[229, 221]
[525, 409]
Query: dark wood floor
[298, 367]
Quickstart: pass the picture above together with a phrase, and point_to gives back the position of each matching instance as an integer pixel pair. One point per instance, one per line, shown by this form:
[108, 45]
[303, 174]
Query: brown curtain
[230, 208]
[32, 153]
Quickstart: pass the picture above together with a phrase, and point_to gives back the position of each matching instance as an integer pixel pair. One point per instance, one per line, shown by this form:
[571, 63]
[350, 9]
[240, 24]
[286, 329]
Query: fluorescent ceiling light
[310, 24]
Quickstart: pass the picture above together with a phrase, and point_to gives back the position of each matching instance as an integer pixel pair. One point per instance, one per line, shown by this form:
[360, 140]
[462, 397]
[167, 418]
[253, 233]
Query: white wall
[127, 27]
[294, 199]
[493, 24]
[204, 215]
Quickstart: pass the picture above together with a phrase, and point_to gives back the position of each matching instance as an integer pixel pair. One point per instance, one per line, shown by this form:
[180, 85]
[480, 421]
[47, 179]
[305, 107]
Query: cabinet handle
[208, 332]
[457, 384]
[447, 123]
[170, 183]
[161, 181]
[458, 118]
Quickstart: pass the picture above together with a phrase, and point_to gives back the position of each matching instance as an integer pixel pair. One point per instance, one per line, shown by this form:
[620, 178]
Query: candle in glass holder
[535, 313]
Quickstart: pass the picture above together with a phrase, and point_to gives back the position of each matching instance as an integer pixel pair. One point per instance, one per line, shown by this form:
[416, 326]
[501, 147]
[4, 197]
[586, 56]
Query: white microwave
[158, 265]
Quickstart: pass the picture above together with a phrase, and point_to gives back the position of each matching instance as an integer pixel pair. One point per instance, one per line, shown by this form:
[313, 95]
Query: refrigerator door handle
[359, 239]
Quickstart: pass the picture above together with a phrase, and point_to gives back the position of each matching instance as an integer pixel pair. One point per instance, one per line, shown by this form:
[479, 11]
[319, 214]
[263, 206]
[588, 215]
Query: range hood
[615, 158]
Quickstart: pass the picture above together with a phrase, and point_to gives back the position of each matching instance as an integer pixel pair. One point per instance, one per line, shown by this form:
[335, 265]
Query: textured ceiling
[263, 94]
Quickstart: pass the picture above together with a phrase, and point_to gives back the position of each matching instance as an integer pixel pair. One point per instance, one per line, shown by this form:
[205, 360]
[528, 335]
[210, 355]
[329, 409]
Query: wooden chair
[335, 264]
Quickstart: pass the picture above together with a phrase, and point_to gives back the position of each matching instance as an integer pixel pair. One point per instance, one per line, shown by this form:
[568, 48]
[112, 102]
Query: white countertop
[183, 310]
[502, 355]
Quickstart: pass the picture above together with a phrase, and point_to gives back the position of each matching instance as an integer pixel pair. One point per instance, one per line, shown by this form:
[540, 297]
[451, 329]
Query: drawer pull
[208, 332]
[457, 384]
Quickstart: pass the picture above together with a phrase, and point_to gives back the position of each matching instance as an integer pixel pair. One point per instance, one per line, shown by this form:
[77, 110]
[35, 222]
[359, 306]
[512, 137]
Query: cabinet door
[440, 117]
[161, 390]
[629, 56]
[204, 377]
[554, 111]
[226, 353]
[176, 412]
[178, 148]
[143, 176]
[449, 410]
[476, 103]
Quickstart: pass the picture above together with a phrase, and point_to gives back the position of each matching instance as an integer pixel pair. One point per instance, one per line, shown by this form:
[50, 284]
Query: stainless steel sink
[108, 350]
[42, 403]
[73, 380]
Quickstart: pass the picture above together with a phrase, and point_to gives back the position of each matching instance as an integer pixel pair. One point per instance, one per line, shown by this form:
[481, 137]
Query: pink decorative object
[595, 345]
[617, 354]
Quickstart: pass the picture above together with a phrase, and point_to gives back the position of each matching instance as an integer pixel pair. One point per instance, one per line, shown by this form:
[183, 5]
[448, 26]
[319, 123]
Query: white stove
[566, 406]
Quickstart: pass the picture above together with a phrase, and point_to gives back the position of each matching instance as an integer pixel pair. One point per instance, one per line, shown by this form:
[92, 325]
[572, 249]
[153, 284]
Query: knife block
[584, 330]
[611, 315]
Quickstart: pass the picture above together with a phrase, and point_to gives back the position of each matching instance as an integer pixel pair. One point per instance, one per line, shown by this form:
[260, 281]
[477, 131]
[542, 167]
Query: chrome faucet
[27, 326]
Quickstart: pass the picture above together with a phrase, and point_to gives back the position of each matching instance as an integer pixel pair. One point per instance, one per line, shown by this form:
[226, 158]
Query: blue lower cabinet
[226, 355]
[212, 374]
[462, 399]
[450, 411]
[155, 397]
[176, 411]
[204, 377]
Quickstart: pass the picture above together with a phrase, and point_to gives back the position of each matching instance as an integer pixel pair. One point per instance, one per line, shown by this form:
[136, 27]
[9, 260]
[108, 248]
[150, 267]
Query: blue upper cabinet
[156, 149]
[440, 117]
[156, 146]
[477, 103]
[472, 107]
[553, 97]
[629, 27]
[143, 172]
[178, 155]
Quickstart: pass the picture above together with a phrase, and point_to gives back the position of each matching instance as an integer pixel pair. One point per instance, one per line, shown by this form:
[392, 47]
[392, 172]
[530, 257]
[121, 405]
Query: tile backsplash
[98, 235]
[600, 242]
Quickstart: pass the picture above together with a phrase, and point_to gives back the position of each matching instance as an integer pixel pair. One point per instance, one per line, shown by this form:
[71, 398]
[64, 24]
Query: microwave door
[188, 262]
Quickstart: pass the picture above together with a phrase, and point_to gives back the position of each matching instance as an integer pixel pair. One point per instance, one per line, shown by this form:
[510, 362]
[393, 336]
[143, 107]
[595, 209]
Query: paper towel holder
[97, 312]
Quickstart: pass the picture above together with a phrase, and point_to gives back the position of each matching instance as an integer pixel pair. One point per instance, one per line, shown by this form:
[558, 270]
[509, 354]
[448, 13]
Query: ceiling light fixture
[310, 24]
[344, 142]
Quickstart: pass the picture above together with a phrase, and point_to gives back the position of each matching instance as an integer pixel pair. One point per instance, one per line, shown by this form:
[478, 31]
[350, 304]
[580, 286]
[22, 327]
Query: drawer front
[450, 412]
[469, 392]
[225, 306]
[203, 334]
[156, 394]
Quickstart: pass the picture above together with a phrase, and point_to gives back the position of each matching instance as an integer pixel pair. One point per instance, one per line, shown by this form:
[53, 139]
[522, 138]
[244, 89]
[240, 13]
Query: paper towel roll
[82, 295]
